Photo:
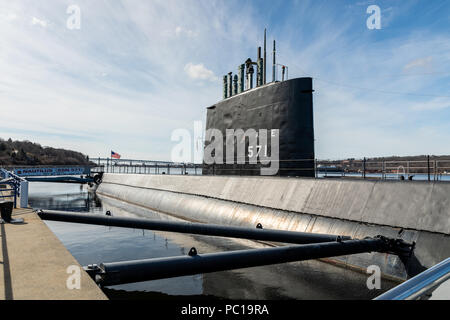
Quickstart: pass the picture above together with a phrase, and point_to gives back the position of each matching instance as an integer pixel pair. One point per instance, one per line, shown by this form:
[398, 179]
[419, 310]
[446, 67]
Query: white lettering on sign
[35, 172]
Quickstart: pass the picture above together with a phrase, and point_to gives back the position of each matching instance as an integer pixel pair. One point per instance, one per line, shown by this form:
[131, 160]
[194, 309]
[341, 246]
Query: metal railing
[19, 186]
[131, 166]
[11, 180]
[427, 170]
[11, 191]
[421, 286]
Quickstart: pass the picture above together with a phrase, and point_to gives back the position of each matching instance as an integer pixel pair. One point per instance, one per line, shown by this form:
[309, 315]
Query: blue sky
[137, 70]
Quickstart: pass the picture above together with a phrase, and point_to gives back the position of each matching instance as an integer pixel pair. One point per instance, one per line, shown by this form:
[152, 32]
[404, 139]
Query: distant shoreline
[26, 153]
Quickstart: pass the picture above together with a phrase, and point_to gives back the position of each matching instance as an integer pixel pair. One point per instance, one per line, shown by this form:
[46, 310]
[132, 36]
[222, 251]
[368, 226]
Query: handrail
[7, 173]
[19, 166]
[15, 183]
[429, 169]
[422, 285]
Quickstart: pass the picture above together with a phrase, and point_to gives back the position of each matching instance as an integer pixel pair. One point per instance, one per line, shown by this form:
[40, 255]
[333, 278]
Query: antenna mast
[265, 66]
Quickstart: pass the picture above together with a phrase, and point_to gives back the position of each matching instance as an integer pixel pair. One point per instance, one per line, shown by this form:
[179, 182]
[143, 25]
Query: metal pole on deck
[115, 273]
[256, 233]
[435, 165]
[364, 168]
[24, 194]
[15, 197]
[315, 168]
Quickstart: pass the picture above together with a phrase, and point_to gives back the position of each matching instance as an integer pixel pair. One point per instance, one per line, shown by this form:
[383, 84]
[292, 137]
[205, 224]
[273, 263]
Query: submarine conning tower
[283, 108]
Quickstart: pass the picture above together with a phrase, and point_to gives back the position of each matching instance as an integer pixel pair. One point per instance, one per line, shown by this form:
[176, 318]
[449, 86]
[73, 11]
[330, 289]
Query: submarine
[259, 170]
[283, 109]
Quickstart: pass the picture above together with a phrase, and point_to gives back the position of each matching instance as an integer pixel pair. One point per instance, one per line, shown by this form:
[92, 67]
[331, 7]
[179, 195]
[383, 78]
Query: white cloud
[199, 72]
[11, 16]
[179, 31]
[419, 63]
[36, 21]
[434, 104]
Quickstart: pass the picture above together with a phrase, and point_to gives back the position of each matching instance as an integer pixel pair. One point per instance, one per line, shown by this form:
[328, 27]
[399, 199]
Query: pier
[34, 264]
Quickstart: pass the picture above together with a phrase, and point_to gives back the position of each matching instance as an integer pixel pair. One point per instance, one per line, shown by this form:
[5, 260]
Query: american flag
[115, 155]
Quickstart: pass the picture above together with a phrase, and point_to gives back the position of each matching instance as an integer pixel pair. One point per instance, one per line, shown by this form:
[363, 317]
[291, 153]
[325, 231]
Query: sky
[135, 71]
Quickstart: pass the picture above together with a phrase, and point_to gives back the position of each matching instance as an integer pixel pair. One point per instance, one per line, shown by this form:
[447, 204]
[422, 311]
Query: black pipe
[192, 228]
[62, 180]
[115, 273]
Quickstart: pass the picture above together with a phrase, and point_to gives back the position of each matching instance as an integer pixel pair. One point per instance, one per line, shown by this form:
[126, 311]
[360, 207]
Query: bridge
[62, 174]
[44, 171]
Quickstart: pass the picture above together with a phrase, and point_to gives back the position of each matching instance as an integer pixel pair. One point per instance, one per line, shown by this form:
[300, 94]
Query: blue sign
[56, 171]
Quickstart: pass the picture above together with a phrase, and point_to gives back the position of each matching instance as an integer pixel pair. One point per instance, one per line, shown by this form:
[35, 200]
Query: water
[94, 244]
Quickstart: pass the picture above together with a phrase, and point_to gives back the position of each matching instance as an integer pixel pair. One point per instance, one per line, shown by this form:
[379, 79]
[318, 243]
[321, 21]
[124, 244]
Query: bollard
[6, 210]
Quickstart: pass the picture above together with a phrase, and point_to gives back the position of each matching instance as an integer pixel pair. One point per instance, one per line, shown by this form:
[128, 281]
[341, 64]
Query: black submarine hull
[286, 106]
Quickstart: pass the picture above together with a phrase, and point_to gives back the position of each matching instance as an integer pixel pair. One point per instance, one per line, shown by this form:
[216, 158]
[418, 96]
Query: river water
[95, 244]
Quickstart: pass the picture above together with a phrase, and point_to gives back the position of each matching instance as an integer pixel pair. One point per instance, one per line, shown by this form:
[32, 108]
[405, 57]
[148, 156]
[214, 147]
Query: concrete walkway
[33, 264]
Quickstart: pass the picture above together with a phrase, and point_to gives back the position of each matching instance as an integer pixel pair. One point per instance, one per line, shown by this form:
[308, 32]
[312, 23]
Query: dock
[35, 265]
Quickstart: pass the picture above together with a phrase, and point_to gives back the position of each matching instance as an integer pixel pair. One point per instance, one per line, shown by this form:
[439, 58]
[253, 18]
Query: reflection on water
[94, 244]
[66, 197]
